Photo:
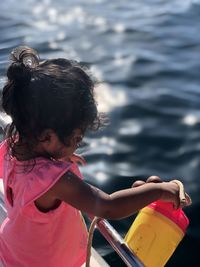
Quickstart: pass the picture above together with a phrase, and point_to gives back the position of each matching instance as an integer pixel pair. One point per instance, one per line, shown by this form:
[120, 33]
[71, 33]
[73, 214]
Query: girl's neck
[23, 152]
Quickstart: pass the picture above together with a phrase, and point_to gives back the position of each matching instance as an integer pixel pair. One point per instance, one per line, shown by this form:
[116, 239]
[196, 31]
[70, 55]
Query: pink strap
[3, 148]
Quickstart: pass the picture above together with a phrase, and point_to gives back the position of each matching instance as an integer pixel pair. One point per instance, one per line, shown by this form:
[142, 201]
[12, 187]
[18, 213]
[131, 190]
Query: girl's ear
[49, 141]
[48, 136]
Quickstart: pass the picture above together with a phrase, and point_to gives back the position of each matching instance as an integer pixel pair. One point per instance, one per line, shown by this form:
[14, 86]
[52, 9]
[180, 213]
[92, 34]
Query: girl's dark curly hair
[55, 94]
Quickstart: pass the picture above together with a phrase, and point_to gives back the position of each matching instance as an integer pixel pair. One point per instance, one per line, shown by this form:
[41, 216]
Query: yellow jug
[156, 232]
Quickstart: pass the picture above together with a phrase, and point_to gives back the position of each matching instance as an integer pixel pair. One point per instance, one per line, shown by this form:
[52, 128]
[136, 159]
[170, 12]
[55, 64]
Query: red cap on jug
[167, 209]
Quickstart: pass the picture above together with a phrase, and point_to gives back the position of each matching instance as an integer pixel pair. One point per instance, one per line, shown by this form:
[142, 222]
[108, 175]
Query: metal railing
[118, 244]
[2, 207]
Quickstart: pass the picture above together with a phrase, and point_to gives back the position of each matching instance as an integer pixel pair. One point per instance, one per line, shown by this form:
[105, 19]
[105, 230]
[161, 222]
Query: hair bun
[26, 55]
[24, 59]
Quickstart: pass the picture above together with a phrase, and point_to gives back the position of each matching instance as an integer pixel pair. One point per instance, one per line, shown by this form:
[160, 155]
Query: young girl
[52, 105]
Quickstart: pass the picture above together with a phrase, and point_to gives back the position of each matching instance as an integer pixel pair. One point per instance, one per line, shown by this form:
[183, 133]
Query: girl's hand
[170, 193]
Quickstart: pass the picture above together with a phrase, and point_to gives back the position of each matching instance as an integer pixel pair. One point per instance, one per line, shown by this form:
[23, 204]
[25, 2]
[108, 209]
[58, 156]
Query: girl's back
[33, 238]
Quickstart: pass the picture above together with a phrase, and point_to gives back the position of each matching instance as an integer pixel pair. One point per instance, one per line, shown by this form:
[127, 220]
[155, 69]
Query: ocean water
[146, 53]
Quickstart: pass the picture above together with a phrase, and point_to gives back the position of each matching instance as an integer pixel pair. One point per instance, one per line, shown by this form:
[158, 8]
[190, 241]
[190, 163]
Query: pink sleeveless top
[28, 237]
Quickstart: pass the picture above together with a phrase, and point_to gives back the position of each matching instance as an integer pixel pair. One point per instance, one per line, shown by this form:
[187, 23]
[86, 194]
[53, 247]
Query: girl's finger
[138, 183]
[154, 179]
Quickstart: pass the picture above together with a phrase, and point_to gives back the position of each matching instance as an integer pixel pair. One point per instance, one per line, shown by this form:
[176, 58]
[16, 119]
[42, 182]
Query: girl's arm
[117, 205]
